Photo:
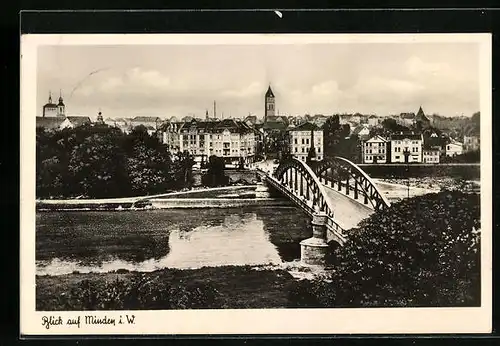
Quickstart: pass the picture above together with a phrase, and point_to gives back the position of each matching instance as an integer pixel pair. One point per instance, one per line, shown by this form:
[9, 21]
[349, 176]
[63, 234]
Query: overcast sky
[126, 81]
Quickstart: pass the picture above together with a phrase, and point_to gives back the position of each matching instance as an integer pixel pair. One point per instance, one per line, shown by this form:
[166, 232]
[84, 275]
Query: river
[103, 241]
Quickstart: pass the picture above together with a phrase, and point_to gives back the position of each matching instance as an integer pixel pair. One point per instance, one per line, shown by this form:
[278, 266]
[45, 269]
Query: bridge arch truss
[299, 183]
[349, 179]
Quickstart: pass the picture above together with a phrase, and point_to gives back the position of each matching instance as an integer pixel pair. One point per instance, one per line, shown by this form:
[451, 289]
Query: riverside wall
[415, 170]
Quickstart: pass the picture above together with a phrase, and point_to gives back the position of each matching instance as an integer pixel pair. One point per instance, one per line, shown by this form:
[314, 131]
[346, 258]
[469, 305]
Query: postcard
[243, 184]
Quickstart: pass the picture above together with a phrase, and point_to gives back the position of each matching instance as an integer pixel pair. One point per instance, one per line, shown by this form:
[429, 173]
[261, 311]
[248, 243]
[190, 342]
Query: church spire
[269, 92]
[60, 97]
[50, 96]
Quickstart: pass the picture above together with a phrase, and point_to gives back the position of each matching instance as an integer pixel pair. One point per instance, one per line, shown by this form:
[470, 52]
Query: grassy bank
[216, 287]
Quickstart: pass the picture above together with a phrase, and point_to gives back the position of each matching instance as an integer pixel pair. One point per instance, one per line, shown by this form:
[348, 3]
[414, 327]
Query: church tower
[49, 109]
[270, 104]
[61, 108]
[100, 119]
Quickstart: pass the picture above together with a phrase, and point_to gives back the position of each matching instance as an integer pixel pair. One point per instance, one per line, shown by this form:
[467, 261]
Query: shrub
[140, 292]
[421, 252]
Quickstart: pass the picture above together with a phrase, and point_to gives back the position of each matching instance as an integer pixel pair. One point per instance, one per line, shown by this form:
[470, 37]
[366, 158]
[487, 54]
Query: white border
[272, 321]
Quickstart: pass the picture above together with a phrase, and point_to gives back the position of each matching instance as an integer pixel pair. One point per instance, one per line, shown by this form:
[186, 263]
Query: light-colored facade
[148, 122]
[374, 150]
[51, 109]
[301, 138]
[170, 135]
[232, 140]
[430, 156]
[410, 144]
[454, 149]
[373, 120]
[361, 131]
[471, 143]
[75, 121]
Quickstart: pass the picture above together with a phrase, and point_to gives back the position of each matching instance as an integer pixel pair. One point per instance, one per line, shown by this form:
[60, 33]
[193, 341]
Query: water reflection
[147, 241]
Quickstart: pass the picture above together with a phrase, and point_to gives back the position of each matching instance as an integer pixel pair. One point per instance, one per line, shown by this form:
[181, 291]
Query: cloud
[252, 90]
[310, 78]
[417, 68]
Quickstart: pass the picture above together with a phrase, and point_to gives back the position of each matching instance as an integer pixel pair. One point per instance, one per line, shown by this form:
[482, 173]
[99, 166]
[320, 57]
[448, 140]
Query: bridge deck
[348, 212]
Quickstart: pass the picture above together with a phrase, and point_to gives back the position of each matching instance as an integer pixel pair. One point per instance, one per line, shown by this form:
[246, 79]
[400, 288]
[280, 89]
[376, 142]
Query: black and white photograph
[255, 183]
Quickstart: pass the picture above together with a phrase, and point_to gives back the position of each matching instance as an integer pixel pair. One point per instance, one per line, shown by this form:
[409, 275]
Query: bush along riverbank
[424, 252]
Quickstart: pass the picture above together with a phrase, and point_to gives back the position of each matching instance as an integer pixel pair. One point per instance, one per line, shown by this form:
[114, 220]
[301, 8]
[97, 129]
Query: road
[348, 212]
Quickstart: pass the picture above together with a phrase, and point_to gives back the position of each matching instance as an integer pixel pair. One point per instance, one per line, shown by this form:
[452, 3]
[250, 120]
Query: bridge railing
[334, 228]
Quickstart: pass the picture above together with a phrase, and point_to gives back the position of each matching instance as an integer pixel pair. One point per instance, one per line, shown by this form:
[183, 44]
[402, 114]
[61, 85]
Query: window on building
[302, 140]
[396, 157]
[295, 140]
[296, 149]
[307, 140]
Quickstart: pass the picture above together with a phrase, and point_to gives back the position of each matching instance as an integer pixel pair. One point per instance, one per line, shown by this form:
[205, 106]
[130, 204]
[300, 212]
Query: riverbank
[218, 197]
[435, 183]
[235, 287]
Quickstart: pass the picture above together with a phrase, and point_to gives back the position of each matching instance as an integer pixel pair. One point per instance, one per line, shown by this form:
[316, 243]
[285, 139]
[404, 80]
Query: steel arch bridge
[351, 180]
[306, 186]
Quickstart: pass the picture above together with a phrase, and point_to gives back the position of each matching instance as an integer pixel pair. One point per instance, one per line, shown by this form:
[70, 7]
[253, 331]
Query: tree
[349, 148]
[391, 126]
[100, 161]
[149, 170]
[331, 134]
[183, 170]
[424, 251]
[311, 155]
[97, 167]
[215, 174]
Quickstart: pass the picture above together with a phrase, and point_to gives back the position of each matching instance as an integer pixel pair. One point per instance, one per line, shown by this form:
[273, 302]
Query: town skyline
[123, 81]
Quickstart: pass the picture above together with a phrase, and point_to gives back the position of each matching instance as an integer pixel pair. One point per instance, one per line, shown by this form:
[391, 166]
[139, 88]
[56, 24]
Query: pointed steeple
[420, 112]
[50, 96]
[269, 92]
[61, 103]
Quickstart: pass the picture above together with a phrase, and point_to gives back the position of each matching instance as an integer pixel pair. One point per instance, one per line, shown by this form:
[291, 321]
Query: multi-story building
[148, 122]
[471, 143]
[454, 148]
[430, 155]
[362, 131]
[374, 150]
[406, 119]
[232, 140]
[169, 134]
[403, 145]
[372, 120]
[304, 136]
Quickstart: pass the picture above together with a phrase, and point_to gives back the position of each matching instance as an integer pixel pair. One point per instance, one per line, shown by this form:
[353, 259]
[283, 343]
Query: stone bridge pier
[313, 251]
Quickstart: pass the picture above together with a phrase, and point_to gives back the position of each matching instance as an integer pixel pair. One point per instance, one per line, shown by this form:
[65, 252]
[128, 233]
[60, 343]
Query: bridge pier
[313, 251]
